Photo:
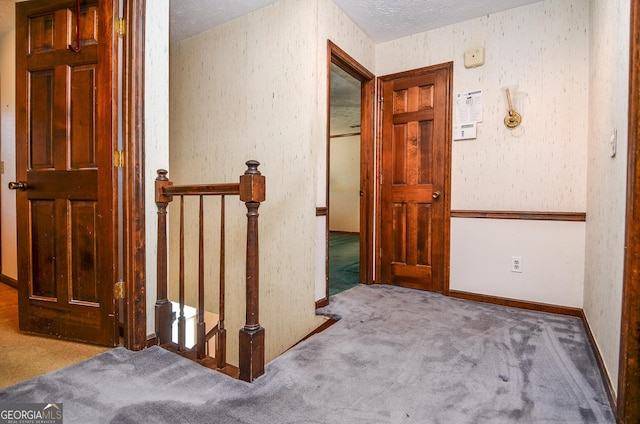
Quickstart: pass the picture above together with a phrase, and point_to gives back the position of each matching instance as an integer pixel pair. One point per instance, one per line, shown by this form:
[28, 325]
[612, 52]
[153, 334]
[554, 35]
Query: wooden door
[64, 144]
[415, 166]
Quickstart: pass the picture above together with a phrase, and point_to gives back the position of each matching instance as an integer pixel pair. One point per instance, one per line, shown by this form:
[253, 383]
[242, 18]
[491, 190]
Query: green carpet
[344, 261]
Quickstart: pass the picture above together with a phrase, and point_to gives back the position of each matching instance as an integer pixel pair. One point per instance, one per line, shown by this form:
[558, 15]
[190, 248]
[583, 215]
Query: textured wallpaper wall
[540, 52]
[156, 132]
[242, 91]
[250, 90]
[606, 196]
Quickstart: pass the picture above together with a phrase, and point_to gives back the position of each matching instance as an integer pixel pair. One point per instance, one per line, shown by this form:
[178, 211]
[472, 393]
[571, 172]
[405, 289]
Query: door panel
[415, 169]
[64, 144]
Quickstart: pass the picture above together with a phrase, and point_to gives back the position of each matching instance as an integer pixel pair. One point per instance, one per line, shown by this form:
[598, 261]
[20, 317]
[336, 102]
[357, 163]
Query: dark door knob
[19, 185]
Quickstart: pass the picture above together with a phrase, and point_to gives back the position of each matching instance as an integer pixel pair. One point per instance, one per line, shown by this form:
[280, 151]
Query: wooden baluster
[163, 306]
[221, 334]
[251, 361]
[201, 331]
[181, 320]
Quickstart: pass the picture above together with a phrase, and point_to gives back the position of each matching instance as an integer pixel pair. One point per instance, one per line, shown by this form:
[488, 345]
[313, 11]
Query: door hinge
[118, 159]
[119, 290]
[121, 26]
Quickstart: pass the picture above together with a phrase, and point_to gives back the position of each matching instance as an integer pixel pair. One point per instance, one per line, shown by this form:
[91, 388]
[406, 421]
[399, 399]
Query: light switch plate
[614, 142]
[474, 57]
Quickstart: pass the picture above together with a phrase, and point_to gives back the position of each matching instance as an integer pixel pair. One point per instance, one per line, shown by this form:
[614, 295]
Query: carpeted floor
[396, 356]
[344, 261]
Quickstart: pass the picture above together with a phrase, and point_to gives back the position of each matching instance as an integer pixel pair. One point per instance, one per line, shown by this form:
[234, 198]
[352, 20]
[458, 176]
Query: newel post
[163, 306]
[251, 355]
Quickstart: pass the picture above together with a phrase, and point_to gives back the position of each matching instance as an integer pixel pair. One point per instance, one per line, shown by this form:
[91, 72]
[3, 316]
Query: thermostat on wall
[474, 57]
[464, 131]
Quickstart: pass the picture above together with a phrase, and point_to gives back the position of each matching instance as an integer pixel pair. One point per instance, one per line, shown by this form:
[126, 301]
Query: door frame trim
[135, 312]
[347, 63]
[628, 402]
[448, 66]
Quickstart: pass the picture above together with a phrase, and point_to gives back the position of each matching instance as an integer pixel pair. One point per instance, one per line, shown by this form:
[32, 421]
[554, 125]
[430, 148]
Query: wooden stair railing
[251, 191]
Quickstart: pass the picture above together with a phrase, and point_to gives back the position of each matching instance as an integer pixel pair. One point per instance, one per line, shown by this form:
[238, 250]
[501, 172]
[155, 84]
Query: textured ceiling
[190, 17]
[382, 20]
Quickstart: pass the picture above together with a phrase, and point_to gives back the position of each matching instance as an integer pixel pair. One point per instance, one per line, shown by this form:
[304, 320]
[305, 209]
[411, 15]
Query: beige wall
[248, 90]
[8, 149]
[542, 165]
[606, 196]
[344, 178]
[156, 111]
[255, 88]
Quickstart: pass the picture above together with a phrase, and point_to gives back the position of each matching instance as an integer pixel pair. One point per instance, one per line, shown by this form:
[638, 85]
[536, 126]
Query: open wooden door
[415, 166]
[65, 189]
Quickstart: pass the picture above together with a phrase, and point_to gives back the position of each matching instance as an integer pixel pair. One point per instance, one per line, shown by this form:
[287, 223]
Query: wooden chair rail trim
[524, 215]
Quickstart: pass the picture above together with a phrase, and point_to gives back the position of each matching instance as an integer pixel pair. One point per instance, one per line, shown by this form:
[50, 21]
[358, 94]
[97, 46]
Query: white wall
[344, 179]
[551, 252]
[538, 167]
[606, 197]
[156, 122]
[8, 149]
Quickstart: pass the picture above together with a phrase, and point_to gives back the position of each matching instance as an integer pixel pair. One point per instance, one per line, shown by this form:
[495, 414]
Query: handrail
[202, 190]
[251, 191]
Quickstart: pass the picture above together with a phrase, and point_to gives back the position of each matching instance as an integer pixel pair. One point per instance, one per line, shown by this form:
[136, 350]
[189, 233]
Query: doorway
[350, 174]
[344, 181]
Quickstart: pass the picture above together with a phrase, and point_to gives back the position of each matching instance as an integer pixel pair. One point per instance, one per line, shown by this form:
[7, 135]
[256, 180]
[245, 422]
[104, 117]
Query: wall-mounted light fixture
[513, 118]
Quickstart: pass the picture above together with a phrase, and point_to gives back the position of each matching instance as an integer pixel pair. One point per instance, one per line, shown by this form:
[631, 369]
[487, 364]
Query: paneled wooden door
[64, 150]
[415, 167]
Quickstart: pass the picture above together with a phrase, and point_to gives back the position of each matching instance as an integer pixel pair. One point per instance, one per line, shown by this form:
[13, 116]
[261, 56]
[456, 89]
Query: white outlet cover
[516, 264]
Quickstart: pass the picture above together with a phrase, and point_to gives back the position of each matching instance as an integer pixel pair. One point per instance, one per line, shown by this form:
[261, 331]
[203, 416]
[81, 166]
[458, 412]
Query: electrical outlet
[516, 264]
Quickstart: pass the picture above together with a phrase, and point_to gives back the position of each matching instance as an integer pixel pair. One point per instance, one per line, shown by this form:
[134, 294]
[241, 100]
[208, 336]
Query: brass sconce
[513, 118]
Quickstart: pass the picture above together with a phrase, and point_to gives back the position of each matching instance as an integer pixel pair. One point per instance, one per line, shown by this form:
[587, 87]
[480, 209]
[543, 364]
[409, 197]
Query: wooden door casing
[64, 144]
[415, 178]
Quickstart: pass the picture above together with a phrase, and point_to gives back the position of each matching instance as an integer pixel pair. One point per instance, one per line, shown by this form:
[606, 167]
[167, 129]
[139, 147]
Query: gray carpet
[396, 356]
